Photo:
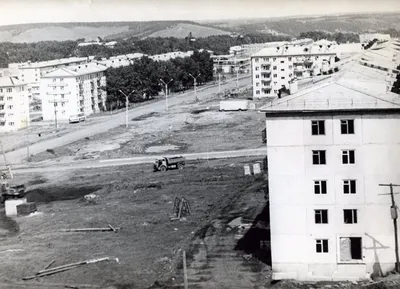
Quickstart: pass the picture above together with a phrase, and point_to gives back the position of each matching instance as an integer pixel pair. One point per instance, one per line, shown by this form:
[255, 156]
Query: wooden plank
[185, 279]
[48, 266]
[88, 230]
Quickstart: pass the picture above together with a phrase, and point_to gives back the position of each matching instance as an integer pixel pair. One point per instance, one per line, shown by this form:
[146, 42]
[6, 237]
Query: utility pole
[27, 137]
[195, 83]
[126, 106]
[237, 74]
[166, 92]
[219, 82]
[393, 211]
[55, 102]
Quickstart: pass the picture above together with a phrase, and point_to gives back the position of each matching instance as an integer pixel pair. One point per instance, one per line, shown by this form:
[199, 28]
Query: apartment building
[14, 104]
[171, 55]
[31, 72]
[274, 68]
[71, 90]
[328, 148]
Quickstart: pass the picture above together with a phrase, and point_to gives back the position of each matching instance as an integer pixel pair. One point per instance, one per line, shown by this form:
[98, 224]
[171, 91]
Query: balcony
[299, 68]
[56, 84]
[265, 67]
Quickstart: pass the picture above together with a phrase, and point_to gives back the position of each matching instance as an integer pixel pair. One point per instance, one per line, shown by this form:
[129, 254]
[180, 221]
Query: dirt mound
[8, 227]
[145, 116]
[51, 194]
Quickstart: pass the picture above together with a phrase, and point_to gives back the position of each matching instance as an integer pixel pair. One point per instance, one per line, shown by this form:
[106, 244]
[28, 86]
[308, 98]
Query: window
[348, 157]
[321, 246]
[9, 98]
[10, 107]
[282, 61]
[350, 216]
[1, 90]
[61, 79]
[11, 123]
[320, 187]
[54, 80]
[9, 89]
[257, 68]
[62, 87]
[350, 248]
[290, 66]
[321, 216]
[282, 77]
[317, 127]
[256, 59]
[283, 69]
[274, 68]
[347, 126]
[62, 95]
[349, 186]
[275, 75]
[257, 76]
[257, 92]
[319, 157]
[257, 84]
[290, 59]
[62, 104]
[274, 59]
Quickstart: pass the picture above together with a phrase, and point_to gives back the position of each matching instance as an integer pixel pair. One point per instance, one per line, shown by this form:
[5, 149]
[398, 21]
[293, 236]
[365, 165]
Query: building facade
[275, 67]
[14, 104]
[31, 72]
[329, 149]
[69, 91]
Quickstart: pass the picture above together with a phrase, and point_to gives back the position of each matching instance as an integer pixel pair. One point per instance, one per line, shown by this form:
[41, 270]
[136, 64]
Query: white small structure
[11, 206]
[256, 168]
[247, 170]
[234, 105]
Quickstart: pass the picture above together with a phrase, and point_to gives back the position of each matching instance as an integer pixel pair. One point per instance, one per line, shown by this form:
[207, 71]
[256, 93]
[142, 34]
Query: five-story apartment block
[14, 104]
[329, 148]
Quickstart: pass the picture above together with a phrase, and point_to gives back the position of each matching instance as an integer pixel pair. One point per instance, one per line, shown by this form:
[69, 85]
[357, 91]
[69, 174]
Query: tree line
[142, 79]
[49, 50]
[339, 37]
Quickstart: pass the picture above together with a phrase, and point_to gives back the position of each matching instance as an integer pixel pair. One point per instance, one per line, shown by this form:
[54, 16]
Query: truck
[234, 105]
[167, 163]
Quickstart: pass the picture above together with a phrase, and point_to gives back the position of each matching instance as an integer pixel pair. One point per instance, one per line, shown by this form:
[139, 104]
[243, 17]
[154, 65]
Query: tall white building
[329, 147]
[14, 104]
[275, 67]
[31, 72]
[71, 90]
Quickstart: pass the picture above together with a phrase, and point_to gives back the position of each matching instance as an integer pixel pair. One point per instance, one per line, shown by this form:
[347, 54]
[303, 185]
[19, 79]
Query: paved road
[85, 164]
[17, 156]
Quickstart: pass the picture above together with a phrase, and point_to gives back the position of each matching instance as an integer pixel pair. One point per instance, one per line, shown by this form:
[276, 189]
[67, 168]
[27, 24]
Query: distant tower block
[257, 168]
[247, 170]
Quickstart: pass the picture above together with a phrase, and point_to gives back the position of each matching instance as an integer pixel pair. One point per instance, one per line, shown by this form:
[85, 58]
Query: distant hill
[182, 30]
[106, 30]
[293, 26]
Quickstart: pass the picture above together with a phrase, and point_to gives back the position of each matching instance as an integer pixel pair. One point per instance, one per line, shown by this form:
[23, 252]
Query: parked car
[77, 117]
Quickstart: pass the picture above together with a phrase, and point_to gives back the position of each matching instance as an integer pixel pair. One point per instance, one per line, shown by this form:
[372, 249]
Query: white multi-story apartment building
[31, 72]
[274, 68]
[329, 148]
[68, 91]
[14, 104]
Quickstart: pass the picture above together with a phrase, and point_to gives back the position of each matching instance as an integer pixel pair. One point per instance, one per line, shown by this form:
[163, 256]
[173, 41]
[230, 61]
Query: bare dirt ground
[183, 129]
[133, 198]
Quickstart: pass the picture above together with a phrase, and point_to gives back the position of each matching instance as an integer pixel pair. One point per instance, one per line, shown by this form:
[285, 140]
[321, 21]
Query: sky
[34, 11]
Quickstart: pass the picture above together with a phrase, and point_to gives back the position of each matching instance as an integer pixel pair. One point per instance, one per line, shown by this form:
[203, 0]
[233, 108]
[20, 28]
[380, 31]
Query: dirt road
[17, 156]
[85, 164]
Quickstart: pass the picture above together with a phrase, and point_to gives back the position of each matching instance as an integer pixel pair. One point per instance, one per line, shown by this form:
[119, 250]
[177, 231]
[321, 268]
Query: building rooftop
[9, 81]
[290, 50]
[354, 87]
[77, 70]
[51, 62]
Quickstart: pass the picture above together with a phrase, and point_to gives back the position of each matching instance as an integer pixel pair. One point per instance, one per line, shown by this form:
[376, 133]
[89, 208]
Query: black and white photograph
[182, 144]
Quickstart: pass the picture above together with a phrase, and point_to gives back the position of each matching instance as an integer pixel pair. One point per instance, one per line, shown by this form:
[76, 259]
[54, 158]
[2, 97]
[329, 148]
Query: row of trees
[144, 77]
[48, 50]
[339, 37]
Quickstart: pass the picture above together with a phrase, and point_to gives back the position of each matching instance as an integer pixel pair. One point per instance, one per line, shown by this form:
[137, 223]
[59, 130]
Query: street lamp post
[126, 104]
[195, 84]
[55, 102]
[166, 92]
